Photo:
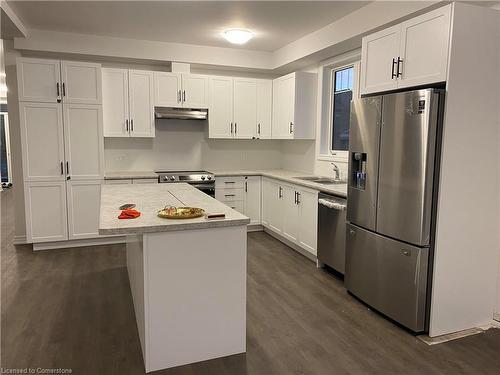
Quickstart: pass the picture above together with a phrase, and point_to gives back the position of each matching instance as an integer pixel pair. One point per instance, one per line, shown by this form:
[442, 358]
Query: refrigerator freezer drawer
[389, 275]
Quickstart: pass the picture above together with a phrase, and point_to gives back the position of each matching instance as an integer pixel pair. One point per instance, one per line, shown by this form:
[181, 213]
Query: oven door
[206, 188]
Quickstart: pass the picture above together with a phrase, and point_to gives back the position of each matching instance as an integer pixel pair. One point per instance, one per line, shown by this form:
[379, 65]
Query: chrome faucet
[337, 171]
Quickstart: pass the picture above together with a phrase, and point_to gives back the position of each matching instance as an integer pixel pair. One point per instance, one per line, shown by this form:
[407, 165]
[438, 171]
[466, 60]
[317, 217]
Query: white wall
[183, 144]
[497, 309]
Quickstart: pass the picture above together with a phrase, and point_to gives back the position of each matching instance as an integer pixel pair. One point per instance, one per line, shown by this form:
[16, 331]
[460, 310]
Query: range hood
[181, 113]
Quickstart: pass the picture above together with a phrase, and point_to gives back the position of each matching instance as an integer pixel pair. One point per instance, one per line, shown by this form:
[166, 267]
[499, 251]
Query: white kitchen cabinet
[179, 90]
[115, 102]
[252, 199]
[294, 106]
[244, 107]
[272, 205]
[83, 199]
[42, 140]
[264, 108]
[412, 53]
[84, 142]
[379, 55]
[194, 91]
[39, 80]
[81, 82]
[52, 81]
[220, 117]
[128, 103]
[46, 218]
[308, 216]
[142, 122]
[167, 89]
[291, 223]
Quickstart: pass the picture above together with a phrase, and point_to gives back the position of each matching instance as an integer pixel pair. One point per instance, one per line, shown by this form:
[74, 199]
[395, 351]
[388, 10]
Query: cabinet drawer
[225, 195]
[235, 205]
[229, 182]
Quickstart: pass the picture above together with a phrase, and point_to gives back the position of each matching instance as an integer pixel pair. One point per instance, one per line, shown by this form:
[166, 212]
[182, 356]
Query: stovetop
[185, 176]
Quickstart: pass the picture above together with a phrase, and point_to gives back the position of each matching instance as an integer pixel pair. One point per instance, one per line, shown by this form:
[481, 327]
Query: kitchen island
[187, 277]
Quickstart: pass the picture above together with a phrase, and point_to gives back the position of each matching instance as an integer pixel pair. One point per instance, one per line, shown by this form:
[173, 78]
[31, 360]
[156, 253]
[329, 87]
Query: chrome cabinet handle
[62, 168]
[64, 89]
[393, 75]
[231, 128]
[400, 61]
[291, 127]
[235, 128]
[67, 171]
[229, 195]
[179, 98]
[184, 96]
[126, 125]
[57, 91]
[280, 192]
[298, 197]
[258, 128]
[246, 187]
[132, 125]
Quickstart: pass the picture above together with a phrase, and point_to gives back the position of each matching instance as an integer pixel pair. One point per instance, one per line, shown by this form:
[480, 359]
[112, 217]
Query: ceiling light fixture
[238, 36]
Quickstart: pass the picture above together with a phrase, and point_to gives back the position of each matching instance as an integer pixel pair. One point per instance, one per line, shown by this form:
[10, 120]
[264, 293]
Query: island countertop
[149, 199]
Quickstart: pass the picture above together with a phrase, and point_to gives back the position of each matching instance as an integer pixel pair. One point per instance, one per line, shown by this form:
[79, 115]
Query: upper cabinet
[128, 103]
[53, 81]
[412, 53]
[180, 90]
[239, 108]
[294, 106]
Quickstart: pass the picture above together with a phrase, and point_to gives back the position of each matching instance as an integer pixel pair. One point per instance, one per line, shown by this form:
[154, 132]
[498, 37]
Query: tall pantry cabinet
[62, 146]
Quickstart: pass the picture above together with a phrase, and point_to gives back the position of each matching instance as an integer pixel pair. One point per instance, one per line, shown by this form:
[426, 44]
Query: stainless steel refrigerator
[393, 169]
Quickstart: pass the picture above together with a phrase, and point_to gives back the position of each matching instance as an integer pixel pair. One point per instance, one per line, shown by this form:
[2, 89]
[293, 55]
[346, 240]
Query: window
[342, 94]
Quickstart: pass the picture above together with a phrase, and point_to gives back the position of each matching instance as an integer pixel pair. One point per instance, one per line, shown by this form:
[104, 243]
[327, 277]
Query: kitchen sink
[321, 180]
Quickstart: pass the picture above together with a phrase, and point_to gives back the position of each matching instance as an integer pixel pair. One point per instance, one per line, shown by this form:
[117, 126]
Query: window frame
[340, 155]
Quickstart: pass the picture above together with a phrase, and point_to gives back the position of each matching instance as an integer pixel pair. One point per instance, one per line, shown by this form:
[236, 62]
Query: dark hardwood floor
[72, 309]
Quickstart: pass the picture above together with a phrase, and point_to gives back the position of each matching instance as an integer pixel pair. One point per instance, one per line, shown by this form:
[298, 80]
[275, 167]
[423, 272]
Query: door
[307, 200]
[245, 108]
[115, 103]
[194, 91]
[283, 107]
[39, 80]
[220, 114]
[290, 213]
[84, 199]
[424, 48]
[81, 82]
[168, 89]
[46, 218]
[42, 141]
[83, 141]
[406, 171]
[364, 139]
[266, 201]
[389, 275]
[379, 53]
[141, 104]
[252, 198]
[264, 108]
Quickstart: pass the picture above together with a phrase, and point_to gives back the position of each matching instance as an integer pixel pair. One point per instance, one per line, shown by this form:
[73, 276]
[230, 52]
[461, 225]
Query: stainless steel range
[202, 180]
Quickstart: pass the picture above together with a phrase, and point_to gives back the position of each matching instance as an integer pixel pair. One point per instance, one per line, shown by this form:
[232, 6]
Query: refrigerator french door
[393, 162]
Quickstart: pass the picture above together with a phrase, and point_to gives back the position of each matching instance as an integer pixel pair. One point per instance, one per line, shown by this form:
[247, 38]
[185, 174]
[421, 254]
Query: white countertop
[280, 174]
[149, 199]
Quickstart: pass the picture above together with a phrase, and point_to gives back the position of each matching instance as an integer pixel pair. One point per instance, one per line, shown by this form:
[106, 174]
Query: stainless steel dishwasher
[332, 231]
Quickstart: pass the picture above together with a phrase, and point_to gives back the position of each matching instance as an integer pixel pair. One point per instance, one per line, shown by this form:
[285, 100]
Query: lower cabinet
[60, 211]
[291, 211]
[241, 193]
[252, 199]
[84, 199]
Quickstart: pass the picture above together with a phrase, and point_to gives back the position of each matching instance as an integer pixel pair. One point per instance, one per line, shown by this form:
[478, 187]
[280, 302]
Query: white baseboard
[78, 243]
[289, 243]
[20, 240]
[255, 228]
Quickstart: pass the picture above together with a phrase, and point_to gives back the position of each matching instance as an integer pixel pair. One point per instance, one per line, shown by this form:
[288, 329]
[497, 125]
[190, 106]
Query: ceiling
[275, 23]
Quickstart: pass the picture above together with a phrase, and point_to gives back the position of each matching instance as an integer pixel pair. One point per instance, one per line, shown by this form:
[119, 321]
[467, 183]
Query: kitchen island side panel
[195, 295]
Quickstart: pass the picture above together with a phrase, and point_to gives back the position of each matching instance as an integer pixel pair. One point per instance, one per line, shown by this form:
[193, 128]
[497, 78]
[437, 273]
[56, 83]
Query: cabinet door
[424, 48]
[194, 91]
[115, 102]
[83, 141]
[141, 104]
[39, 80]
[84, 200]
[266, 197]
[81, 82]
[46, 218]
[252, 201]
[168, 89]
[220, 114]
[264, 108]
[308, 225]
[284, 107]
[245, 108]
[42, 141]
[290, 214]
[272, 202]
[377, 53]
